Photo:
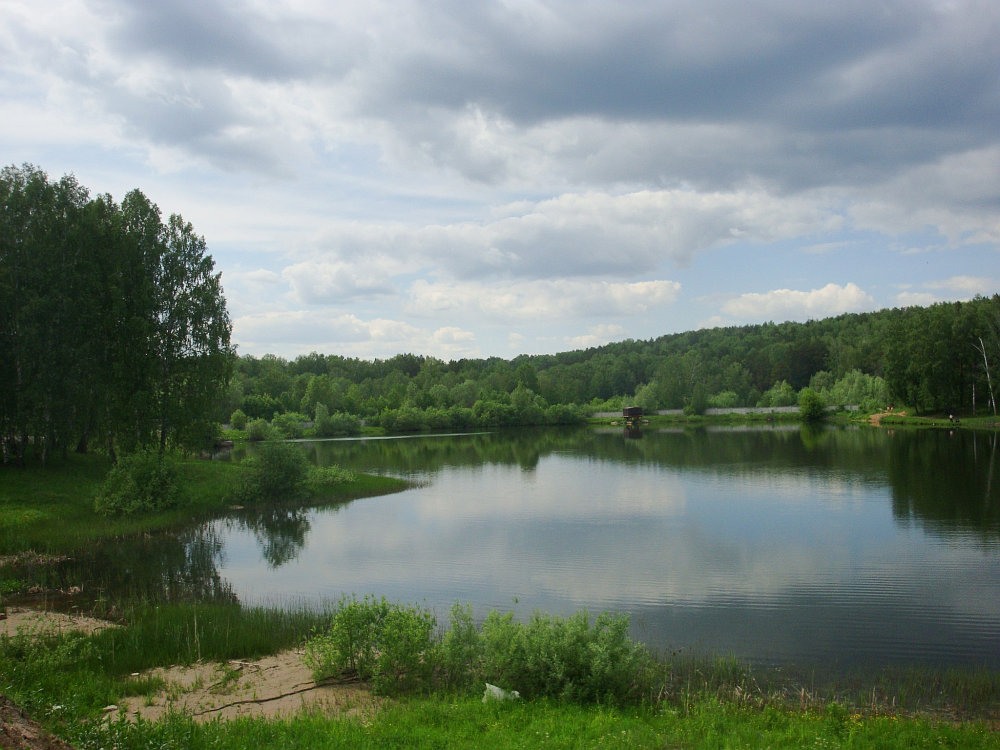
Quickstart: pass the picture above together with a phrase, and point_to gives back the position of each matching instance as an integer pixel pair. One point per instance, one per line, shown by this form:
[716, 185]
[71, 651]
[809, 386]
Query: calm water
[835, 549]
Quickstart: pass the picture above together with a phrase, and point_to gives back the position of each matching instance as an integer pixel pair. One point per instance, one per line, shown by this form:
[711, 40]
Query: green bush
[259, 430]
[321, 479]
[278, 471]
[395, 648]
[338, 423]
[291, 424]
[571, 659]
[238, 420]
[778, 395]
[388, 644]
[141, 482]
[812, 407]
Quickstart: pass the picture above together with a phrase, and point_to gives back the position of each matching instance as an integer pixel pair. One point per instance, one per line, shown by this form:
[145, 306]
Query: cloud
[572, 235]
[596, 336]
[967, 285]
[559, 299]
[956, 287]
[916, 299]
[788, 304]
[504, 165]
[330, 282]
[291, 333]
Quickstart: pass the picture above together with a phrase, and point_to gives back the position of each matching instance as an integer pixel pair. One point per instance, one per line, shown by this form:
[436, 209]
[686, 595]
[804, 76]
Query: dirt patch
[876, 419]
[277, 685]
[30, 621]
[18, 732]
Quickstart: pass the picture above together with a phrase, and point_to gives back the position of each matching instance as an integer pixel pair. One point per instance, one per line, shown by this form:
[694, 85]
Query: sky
[458, 178]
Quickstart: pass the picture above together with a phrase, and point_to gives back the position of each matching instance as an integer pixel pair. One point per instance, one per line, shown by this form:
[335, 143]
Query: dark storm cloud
[201, 34]
[808, 93]
[636, 60]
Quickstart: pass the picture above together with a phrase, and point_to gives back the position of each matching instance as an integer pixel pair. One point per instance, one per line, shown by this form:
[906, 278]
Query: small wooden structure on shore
[632, 416]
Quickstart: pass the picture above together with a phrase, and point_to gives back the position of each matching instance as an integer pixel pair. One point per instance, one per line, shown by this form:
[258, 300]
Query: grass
[51, 509]
[444, 722]
[64, 680]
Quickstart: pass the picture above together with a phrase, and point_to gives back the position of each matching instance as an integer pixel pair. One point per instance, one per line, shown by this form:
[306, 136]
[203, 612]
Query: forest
[932, 359]
[114, 333]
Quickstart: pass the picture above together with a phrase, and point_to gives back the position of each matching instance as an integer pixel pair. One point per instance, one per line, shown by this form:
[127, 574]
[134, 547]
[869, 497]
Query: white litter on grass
[494, 693]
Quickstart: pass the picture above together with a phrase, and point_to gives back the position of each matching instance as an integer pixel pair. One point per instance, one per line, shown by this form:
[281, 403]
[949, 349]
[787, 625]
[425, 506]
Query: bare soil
[273, 686]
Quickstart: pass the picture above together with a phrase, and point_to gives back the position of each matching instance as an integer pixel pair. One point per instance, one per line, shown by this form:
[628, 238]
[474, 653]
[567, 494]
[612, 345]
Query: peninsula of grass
[50, 509]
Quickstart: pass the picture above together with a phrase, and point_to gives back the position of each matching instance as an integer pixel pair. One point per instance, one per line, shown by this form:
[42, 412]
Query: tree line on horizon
[937, 358]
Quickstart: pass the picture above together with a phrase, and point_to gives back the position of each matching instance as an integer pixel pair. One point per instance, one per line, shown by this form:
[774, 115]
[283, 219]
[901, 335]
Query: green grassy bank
[65, 679]
[50, 510]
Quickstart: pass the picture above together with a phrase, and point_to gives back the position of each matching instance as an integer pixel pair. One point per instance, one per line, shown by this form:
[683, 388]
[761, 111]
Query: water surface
[835, 548]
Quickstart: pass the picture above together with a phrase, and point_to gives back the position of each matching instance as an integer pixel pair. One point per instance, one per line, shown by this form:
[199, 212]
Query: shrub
[238, 420]
[812, 407]
[571, 659]
[388, 644]
[338, 423]
[321, 479]
[461, 650]
[142, 482]
[779, 394]
[278, 471]
[258, 430]
[394, 647]
[291, 424]
[724, 400]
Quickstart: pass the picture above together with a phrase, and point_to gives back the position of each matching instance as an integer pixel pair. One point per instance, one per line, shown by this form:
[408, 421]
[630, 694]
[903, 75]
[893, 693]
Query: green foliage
[290, 425]
[923, 356]
[64, 679]
[779, 394]
[869, 392]
[143, 482]
[394, 646]
[238, 420]
[388, 644]
[724, 400]
[321, 480]
[812, 407]
[259, 429]
[698, 401]
[127, 303]
[278, 471]
[573, 659]
[326, 424]
[261, 406]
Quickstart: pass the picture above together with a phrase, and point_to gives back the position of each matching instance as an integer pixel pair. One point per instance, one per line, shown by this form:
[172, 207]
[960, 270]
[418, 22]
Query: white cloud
[596, 336]
[558, 299]
[789, 304]
[916, 299]
[969, 286]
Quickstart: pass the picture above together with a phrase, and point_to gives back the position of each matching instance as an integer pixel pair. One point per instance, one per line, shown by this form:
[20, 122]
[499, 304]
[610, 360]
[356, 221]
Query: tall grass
[156, 634]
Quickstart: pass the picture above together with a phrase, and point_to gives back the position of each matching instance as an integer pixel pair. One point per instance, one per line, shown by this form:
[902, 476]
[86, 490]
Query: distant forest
[930, 359]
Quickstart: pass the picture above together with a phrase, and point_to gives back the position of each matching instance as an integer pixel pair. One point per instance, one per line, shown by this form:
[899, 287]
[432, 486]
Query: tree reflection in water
[281, 532]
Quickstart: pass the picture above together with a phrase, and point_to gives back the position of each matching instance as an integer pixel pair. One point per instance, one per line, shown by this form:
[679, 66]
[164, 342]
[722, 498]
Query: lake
[827, 549]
